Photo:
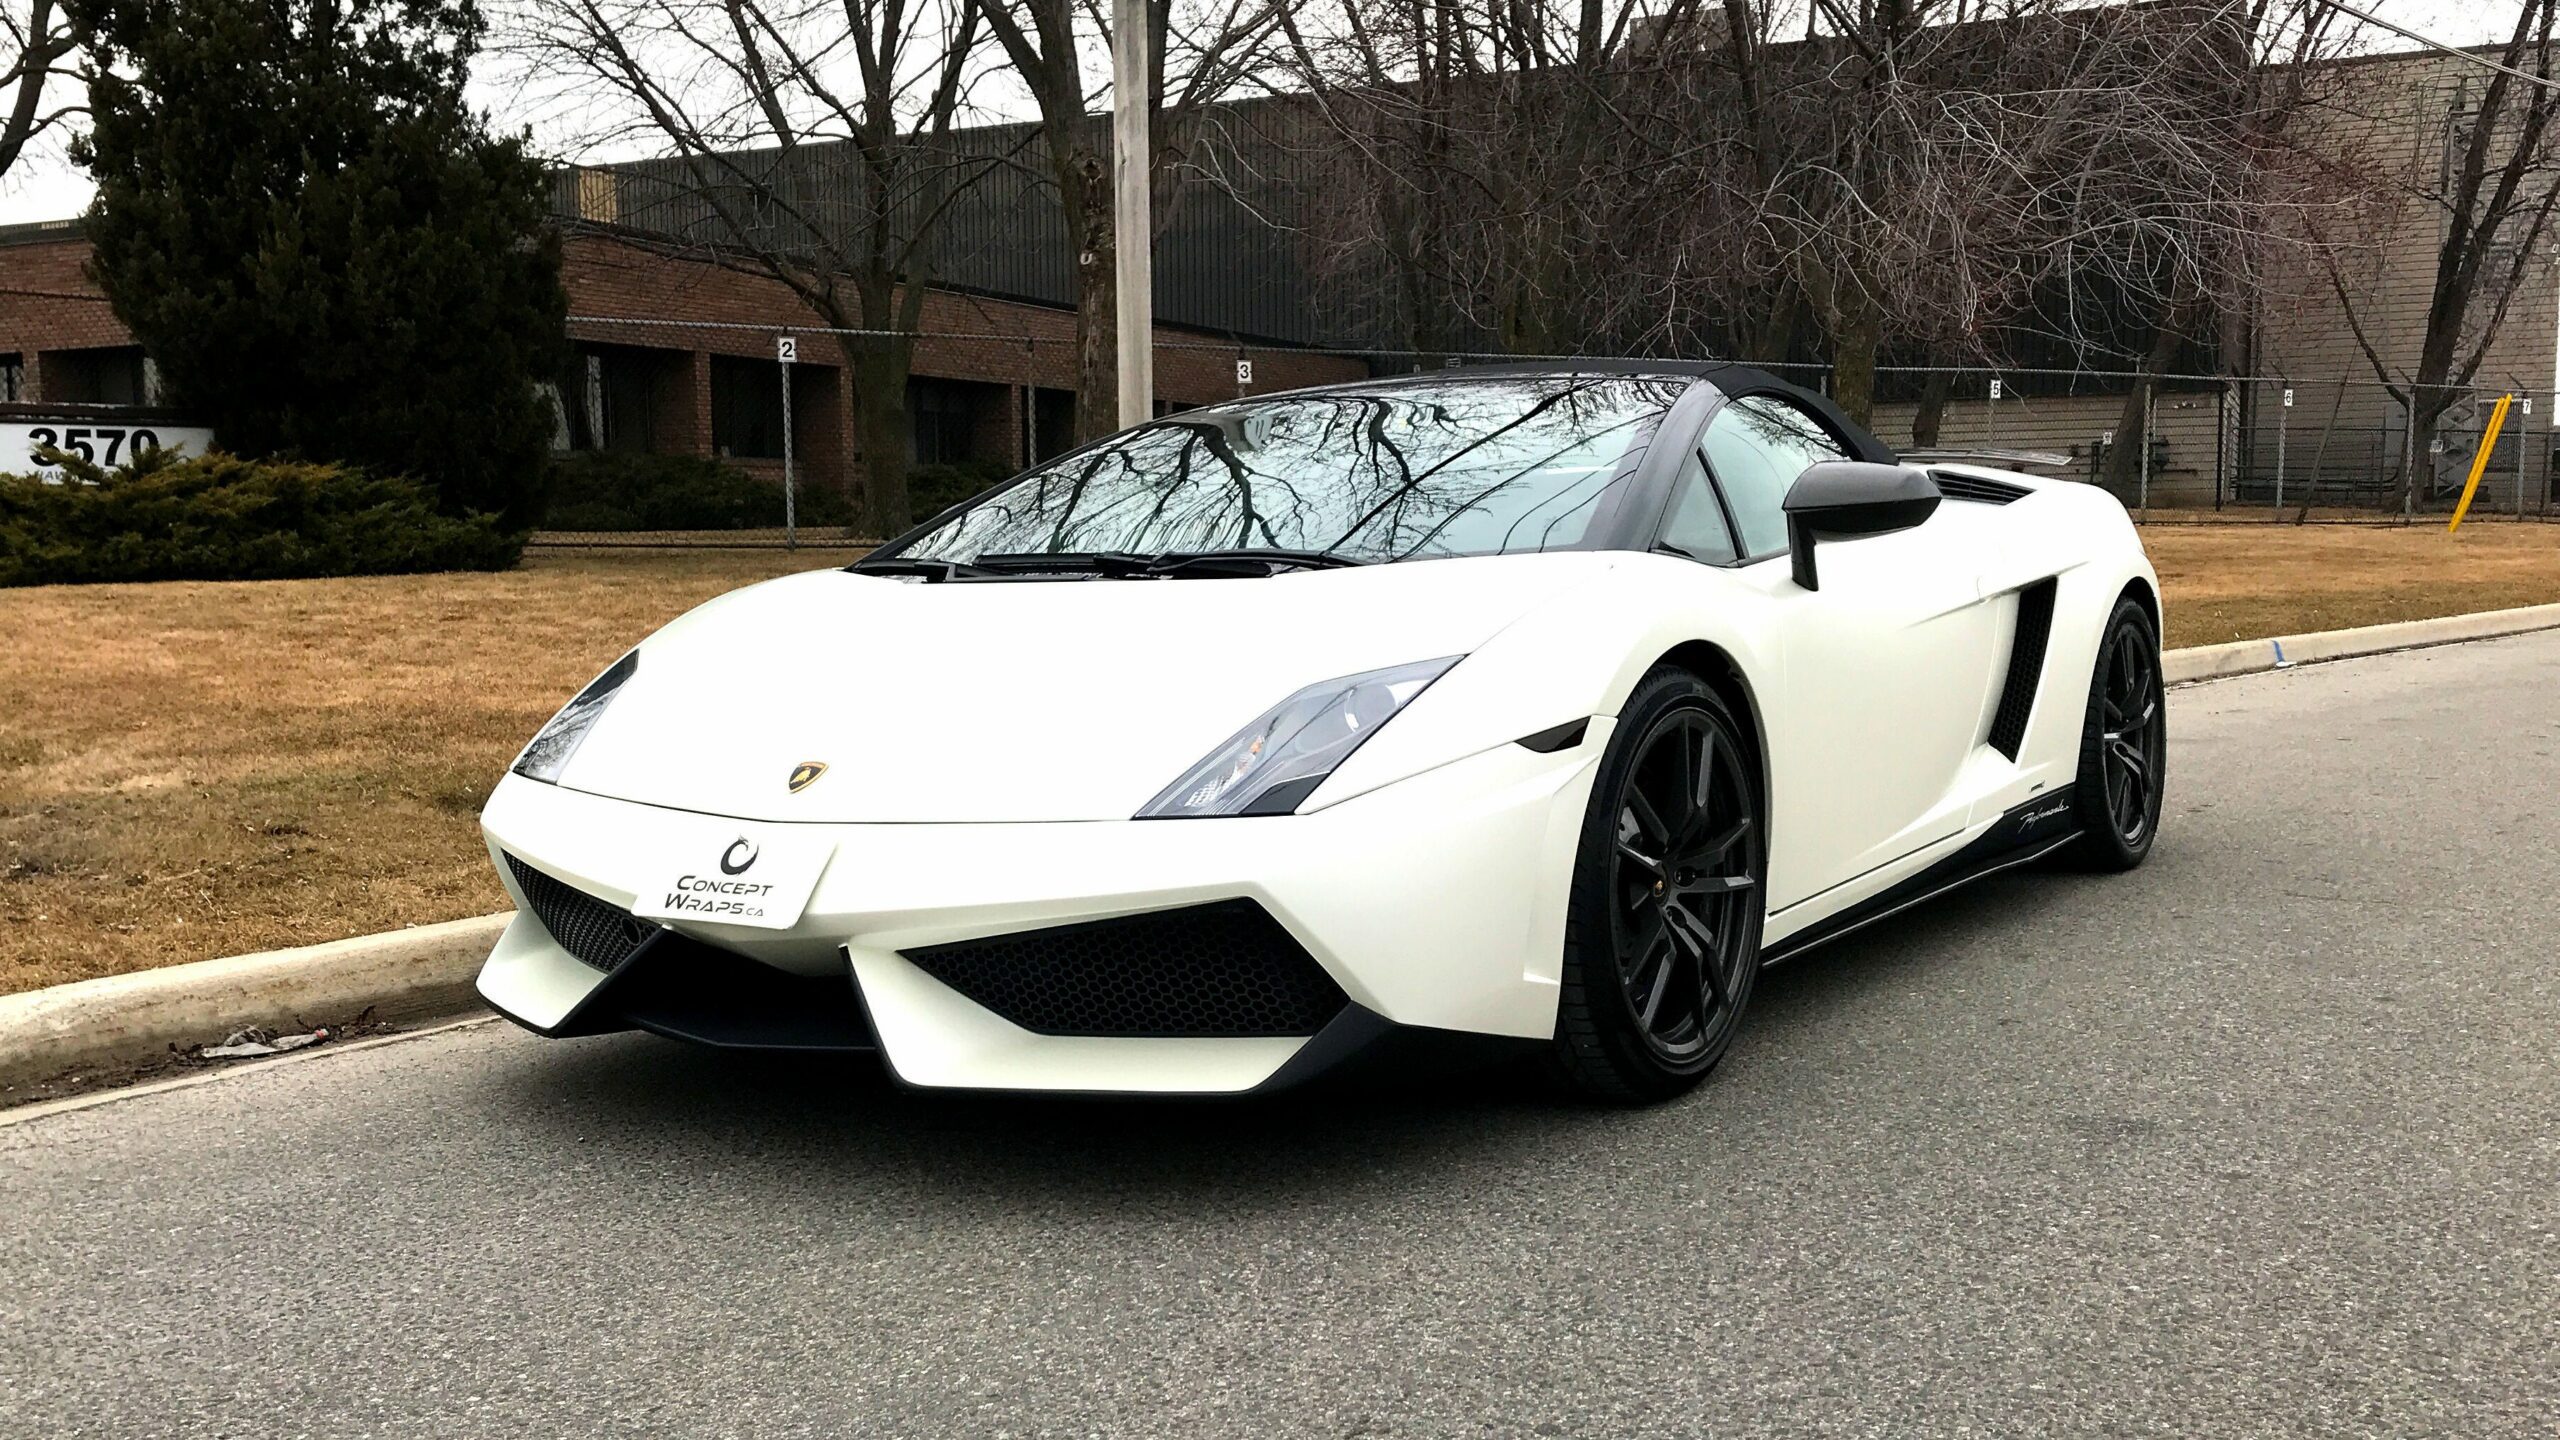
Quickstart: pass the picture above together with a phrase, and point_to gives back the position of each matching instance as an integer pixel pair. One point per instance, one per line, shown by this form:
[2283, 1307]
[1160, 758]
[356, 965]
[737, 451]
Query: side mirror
[1837, 499]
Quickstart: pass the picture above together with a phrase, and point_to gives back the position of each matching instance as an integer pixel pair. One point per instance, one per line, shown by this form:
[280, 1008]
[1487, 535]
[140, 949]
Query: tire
[1662, 930]
[2124, 741]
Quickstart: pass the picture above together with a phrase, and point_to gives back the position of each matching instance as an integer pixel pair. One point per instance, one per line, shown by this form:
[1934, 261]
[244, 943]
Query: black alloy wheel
[2124, 746]
[1663, 942]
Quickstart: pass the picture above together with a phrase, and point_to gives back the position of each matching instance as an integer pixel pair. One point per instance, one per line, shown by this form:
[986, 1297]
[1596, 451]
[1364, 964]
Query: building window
[608, 399]
[599, 194]
[746, 408]
[945, 417]
[1053, 427]
[95, 377]
[13, 377]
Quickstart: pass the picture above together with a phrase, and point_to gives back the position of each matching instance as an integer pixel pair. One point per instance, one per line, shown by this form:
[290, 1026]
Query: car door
[1885, 668]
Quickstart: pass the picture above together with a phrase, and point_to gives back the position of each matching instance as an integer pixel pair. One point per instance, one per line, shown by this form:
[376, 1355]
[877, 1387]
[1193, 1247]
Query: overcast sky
[47, 187]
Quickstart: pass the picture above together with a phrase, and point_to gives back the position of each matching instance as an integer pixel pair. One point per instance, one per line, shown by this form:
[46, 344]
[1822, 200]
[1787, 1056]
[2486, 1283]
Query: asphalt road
[2259, 1140]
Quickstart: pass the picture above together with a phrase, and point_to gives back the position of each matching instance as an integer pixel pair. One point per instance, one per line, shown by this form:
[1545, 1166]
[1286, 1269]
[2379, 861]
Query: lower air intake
[598, 932]
[1226, 970]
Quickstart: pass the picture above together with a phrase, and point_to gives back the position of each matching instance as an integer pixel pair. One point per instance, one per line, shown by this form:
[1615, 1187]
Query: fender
[1577, 656]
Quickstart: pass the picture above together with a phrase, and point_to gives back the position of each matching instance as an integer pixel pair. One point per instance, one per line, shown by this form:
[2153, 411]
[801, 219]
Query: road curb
[2249, 657]
[402, 975]
[425, 973]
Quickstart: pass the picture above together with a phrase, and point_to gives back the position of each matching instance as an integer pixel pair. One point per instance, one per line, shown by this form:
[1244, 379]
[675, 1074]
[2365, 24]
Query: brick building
[675, 354]
[59, 343]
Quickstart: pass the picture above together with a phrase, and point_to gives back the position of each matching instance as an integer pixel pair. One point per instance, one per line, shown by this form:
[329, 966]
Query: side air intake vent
[2026, 663]
[601, 934]
[1226, 969]
[1977, 489]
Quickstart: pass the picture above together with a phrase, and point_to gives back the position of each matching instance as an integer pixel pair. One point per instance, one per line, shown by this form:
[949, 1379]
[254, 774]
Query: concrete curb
[426, 973]
[2248, 657]
[415, 974]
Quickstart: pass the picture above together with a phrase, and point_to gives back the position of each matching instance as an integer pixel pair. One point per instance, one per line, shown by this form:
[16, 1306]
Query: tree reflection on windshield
[1462, 467]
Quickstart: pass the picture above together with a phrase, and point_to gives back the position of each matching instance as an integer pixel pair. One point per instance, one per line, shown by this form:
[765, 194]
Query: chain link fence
[703, 434]
[2201, 448]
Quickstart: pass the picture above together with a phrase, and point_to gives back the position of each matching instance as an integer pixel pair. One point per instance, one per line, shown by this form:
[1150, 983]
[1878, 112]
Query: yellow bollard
[2480, 462]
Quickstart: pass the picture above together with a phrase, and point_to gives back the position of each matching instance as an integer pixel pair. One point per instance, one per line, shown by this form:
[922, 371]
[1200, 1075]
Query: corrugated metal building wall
[1230, 254]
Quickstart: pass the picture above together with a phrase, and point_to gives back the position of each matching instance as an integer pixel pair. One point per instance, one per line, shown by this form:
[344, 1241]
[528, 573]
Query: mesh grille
[1975, 488]
[2026, 662]
[1227, 969]
[601, 934]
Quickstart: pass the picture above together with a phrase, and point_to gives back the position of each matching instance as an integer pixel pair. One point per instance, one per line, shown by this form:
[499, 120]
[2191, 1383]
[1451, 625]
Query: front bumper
[1435, 903]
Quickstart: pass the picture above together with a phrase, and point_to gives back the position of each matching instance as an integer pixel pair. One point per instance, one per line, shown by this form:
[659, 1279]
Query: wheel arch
[2139, 590]
[1714, 665]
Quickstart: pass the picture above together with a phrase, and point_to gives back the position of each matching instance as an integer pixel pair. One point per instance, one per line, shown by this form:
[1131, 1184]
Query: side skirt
[2026, 833]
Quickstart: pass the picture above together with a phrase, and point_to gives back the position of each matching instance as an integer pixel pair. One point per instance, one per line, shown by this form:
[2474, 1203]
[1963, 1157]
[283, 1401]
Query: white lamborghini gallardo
[1540, 706]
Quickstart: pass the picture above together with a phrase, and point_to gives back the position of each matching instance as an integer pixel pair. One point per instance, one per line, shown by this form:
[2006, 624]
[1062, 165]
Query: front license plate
[747, 876]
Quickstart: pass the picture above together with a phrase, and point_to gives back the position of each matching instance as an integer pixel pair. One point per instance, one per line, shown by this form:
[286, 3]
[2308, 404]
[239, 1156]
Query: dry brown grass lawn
[190, 770]
[2240, 582]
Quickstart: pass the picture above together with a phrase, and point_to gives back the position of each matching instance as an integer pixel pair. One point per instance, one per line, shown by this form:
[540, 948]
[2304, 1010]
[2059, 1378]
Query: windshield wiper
[1248, 560]
[1110, 564]
[933, 571]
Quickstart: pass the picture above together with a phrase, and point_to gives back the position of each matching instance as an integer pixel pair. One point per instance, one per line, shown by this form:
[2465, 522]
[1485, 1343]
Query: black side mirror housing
[1838, 499]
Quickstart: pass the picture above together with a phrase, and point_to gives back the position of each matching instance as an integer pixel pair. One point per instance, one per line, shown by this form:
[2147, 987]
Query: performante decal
[2043, 818]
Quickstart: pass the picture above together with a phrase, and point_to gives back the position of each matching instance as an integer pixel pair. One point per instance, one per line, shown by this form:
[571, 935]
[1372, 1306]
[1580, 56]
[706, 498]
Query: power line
[2453, 50]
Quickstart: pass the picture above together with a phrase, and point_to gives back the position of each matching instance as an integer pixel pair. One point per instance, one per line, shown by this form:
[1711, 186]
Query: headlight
[551, 748]
[1278, 760]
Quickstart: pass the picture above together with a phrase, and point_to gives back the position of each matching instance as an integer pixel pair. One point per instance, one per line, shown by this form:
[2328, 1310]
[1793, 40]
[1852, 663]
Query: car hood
[1013, 700]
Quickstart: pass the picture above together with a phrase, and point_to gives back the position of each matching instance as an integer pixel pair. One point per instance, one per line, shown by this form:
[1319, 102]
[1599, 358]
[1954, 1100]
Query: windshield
[1462, 467]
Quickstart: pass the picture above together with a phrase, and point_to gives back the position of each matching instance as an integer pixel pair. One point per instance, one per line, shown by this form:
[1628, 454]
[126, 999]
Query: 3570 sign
[100, 444]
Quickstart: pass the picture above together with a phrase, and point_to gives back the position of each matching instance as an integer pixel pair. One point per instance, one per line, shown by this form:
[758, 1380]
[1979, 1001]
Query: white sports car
[1522, 707]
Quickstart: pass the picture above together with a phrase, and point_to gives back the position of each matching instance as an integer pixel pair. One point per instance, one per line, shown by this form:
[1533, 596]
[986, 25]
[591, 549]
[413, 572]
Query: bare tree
[36, 44]
[1849, 206]
[2490, 187]
[1939, 180]
[812, 143]
[1959, 179]
[1039, 39]
[1663, 174]
[1520, 176]
[1196, 55]
[2217, 196]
